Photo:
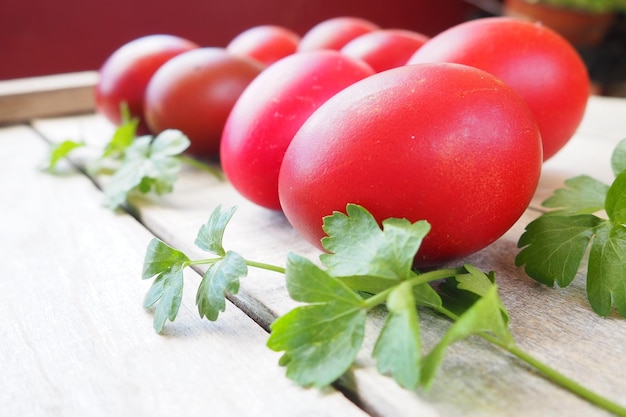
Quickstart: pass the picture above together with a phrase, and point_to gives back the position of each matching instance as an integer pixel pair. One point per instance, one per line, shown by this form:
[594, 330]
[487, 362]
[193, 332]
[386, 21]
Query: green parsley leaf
[583, 195]
[122, 138]
[167, 264]
[166, 291]
[115, 150]
[606, 276]
[615, 205]
[149, 164]
[307, 283]
[486, 315]
[397, 349]
[475, 281]
[618, 158]
[211, 233]
[460, 291]
[358, 246]
[222, 277]
[425, 295]
[554, 247]
[161, 257]
[557, 245]
[320, 340]
[60, 151]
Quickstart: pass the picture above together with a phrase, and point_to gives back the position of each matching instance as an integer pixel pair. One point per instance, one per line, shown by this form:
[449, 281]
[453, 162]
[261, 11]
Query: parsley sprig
[141, 164]
[588, 222]
[149, 164]
[221, 278]
[366, 267]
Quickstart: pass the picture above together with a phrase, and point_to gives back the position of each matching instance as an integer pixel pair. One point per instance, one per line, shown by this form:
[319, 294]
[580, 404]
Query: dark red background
[40, 37]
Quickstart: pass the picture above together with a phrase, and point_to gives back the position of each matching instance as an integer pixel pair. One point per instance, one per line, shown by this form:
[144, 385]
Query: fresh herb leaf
[583, 195]
[161, 257]
[150, 164]
[386, 259]
[615, 204]
[554, 247]
[211, 233]
[307, 283]
[618, 158]
[222, 277]
[475, 281]
[166, 291]
[425, 295]
[606, 276]
[555, 244]
[123, 136]
[142, 164]
[398, 348]
[60, 151]
[358, 246]
[486, 315]
[320, 340]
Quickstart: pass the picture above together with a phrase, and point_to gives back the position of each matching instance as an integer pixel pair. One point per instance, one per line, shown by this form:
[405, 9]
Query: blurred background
[42, 37]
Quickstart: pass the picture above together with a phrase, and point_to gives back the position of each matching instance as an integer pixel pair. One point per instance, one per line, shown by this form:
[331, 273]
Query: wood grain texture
[75, 340]
[52, 95]
[555, 325]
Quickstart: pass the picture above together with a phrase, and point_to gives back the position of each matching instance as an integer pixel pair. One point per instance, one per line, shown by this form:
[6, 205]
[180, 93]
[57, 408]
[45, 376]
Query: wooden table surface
[76, 341]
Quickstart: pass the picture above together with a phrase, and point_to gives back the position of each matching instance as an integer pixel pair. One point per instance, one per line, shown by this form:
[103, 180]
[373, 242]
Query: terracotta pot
[579, 27]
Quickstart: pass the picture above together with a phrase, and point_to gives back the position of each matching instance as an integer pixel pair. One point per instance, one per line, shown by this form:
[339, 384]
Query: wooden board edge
[47, 96]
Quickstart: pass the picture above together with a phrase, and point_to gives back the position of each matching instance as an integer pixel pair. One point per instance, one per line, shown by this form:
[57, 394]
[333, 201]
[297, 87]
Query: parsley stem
[418, 279]
[267, 267]
[254, 264]
[207, 261]
[560, 379]
[550, 373]
[201, 165]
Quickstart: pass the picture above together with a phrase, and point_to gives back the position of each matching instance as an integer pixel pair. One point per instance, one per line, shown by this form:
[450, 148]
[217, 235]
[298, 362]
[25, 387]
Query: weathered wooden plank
[52, 95]
[476, 379]
[75, 339]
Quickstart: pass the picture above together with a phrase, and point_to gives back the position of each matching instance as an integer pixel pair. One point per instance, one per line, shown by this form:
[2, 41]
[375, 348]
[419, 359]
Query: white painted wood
[555, 325]
[74, 338]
